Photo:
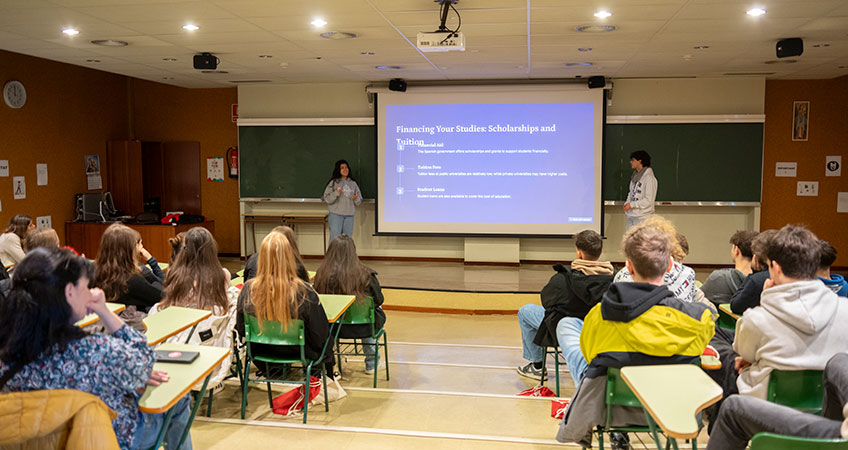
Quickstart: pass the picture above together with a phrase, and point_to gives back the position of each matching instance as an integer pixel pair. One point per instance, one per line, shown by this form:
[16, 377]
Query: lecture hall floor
[453, 379]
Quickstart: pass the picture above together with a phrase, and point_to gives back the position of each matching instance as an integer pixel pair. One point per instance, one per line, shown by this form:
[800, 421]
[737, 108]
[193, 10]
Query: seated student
[742, 417]
[723, 283]
[120, 277]
[150, 269]
[40, 237]
[571, 292]
[341, 272]
[835, 282]
[630, 326]
[680, 279]
[11, 251]
[196, 280]
[176, 243]
[800, 323]
[49, 295]
[748, 295]
[277, 294]
[250, 265]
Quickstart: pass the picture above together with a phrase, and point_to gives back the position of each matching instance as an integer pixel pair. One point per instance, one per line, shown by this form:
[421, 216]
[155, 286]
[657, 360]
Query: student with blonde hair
[277, 294]
[41, 237]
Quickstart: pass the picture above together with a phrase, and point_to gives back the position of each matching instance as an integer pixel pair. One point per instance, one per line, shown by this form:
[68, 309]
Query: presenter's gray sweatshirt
[342, 204]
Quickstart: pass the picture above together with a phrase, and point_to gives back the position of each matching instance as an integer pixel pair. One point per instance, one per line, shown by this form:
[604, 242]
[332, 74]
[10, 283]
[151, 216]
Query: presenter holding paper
[643, 189]
[342, 196]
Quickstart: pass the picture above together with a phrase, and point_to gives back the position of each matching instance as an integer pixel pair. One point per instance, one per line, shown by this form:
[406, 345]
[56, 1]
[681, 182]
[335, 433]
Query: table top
[673, 395]
[159, 399]
[237, 281]
[725, 307]
[311, 274]
[170, 321]
[93, 318]
[335, 305]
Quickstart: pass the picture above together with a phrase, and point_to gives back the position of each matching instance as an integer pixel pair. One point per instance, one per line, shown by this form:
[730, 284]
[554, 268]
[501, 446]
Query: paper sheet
[19, 187]
[833, 166]
[842, 202]
[786, 169]
[41, 174]
[215, 169]
[94, 182]
[4, 167]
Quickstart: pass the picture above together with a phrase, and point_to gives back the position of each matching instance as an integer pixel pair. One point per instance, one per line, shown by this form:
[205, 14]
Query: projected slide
[514, 168]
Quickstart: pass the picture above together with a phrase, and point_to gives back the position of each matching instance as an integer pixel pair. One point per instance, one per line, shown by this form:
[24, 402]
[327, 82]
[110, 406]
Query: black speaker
[397, 84]
[205, 61]
[789, 47]
[597, 82]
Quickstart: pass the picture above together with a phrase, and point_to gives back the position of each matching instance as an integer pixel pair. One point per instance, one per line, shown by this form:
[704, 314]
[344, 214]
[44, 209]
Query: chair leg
[544, 364]
[244, 387]
[268, 375]
[324, 377]
[306, 392]
[209, 403]
[601, 439]
[386, 354]
[556, 368]
[339, 356]
[376, 360]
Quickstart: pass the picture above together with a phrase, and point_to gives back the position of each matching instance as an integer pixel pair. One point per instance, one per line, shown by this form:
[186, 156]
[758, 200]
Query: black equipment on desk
[95, 207]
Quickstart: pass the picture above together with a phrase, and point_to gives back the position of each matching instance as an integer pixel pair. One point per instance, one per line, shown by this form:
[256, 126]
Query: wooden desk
[672, 395]
[93, 318]
[85, 237]
[282, 219]
[335, 305]
[170, 321]
[159, 399]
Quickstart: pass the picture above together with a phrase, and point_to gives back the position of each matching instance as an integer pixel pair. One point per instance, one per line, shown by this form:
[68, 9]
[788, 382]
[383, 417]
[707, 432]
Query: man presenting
[643, 189]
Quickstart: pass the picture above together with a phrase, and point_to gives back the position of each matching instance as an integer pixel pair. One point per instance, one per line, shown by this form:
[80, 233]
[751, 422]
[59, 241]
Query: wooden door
[181, 183]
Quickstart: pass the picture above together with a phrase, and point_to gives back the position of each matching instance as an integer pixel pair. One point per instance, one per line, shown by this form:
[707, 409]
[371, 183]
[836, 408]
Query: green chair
[769, 441]
[725, 321]
[552, 349]
[359, 313]
[274, 333]
[799, 389]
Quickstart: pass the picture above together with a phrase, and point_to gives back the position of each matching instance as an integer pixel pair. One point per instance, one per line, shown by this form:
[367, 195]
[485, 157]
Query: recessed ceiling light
[701, 47]
[821, 45]
[169, 59]
[70, 31]
[584, 49]
[318, 22]
[92, 60]
[603, 14]
[367, 53]
[214, 71]
[687, 57]
[756, 12]
[595, 28]
[110, 43]
[266, 56]
[190, 27]
[336, 35]
[577, 64]
[389, 67]
[284, 65]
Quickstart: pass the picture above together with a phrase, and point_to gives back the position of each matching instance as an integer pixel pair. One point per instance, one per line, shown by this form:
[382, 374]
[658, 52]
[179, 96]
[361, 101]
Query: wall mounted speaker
[397, 84]
[597, 82]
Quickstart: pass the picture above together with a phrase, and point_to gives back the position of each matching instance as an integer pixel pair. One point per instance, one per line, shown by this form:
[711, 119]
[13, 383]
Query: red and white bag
[537, 391]
[292, 401]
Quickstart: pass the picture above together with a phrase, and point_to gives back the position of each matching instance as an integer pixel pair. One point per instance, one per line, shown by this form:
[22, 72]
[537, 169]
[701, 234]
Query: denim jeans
[633, 221]
[741, 417]
[340, 225]
[148, 426]
[370, 349]
[529, 320]
[568, 335]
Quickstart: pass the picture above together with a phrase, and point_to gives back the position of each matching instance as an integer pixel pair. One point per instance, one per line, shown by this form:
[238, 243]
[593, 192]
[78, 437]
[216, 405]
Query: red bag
[537, 391]
[292, 401]
[558, 408]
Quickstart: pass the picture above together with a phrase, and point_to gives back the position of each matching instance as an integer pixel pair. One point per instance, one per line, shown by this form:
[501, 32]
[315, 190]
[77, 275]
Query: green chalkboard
[692, 162]
[297, 161]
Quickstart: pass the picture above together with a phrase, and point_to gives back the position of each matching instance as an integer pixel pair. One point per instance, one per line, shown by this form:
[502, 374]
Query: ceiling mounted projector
[444, 39]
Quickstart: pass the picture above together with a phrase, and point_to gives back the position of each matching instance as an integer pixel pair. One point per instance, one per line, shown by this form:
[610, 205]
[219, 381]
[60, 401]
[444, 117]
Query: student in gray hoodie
[643, 189]
[342, 196]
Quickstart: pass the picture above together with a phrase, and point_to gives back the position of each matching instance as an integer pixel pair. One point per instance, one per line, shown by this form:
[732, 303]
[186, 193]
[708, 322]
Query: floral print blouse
[111, 367]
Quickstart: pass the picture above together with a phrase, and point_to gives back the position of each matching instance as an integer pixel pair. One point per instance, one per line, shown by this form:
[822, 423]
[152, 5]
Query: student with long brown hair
[250, 266]
[11, 251]
[277, 294]
[119, 275]
[341, 272]
[196, 279]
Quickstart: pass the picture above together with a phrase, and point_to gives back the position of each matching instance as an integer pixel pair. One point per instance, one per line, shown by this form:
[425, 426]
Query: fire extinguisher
[233, 161]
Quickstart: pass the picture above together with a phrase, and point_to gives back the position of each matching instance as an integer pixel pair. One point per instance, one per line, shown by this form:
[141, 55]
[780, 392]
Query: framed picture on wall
[800, 120]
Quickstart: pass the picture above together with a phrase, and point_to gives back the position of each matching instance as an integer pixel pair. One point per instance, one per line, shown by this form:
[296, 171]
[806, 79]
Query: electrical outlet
[808, 188]
[44, 222]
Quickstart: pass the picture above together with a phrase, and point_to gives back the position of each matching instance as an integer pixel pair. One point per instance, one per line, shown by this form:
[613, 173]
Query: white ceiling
[507, 39]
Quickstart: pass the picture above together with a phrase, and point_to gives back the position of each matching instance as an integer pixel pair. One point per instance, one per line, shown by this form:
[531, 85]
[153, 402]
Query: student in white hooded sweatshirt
[643, 189]
[800, 323]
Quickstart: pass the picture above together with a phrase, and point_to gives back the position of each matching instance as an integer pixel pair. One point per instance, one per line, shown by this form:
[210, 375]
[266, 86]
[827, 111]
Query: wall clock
[14, 94]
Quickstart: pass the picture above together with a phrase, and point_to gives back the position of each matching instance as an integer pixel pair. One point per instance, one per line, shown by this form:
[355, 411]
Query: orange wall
[828, 136]
[70, 112]
[168, 113]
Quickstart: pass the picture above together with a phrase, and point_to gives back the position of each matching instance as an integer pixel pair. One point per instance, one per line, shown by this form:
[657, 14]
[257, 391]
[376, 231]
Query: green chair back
[618, 393]
[799, 389]
[359, 312]
[769, 441]
[274, 333]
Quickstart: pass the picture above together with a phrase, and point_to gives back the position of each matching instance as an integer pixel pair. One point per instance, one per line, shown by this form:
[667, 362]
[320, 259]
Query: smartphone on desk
[175, 356]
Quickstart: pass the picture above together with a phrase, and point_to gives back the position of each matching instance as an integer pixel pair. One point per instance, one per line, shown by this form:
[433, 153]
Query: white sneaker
[380, 366]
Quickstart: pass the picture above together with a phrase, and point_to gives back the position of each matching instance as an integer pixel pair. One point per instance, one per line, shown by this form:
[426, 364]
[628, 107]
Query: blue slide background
[533, 199]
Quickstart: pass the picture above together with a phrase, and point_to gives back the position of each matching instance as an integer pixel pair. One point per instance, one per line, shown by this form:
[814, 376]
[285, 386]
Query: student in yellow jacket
[636, 323]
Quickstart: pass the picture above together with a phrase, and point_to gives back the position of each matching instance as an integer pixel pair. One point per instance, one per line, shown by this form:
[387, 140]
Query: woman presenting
[342, 196]
[643, 189]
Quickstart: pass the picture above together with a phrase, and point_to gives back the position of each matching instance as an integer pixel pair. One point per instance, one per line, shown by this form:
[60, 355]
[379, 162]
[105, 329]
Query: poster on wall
[215, 168]
[19, 187]
[833, 166]
[800, 120]
[4, 167]
[41, 174]
[92, 172]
